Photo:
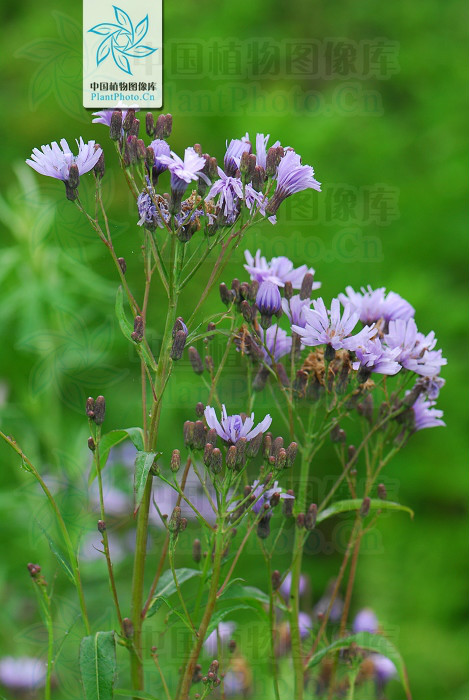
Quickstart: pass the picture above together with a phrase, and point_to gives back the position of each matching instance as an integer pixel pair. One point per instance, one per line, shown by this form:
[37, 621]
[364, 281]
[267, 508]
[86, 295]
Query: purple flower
[277, 343]
[104, 116]
[268, 299]
[252, 199]
[231, 428]
[230, 191]
[294, 309]
[432, 386]
[330, 328]
[415, 349]
[291, 177]
[233, 154]
[225, 632]
[160, 148]
[285, 587]
[22, 673]
[264, 496]
[150, 217]
[425, 416]
[305, 624]
[278, 270]
[374, 304]
[384, 670]
[375, 357]
[261, 147]
[55, 161]
[365, 621]
[183, 171]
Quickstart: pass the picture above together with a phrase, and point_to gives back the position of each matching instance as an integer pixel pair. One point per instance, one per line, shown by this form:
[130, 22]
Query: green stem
[63, 528]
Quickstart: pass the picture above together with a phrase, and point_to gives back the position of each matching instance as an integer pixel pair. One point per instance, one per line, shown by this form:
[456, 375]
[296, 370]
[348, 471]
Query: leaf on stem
[110, 440]
[58, 555]
[166, 587]
[98, 665]
[143, 463]
[370, 642]
[355, 504]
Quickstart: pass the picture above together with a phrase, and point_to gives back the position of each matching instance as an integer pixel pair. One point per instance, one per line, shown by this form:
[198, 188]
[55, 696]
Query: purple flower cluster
[324, 327]
[374, 304]
[55, 161]
[232, 428]
[279, 270]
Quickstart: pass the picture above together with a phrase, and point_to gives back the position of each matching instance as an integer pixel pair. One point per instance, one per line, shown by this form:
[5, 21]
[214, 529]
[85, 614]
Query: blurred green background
[377, 108]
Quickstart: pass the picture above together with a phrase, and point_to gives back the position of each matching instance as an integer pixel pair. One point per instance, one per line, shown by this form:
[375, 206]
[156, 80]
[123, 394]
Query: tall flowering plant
[358, 358]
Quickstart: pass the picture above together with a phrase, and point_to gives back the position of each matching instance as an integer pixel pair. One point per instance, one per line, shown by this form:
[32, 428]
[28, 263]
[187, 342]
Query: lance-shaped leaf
[98, 665]
[112, 439]
[370, 642]
[355, 504]
[55, 549]
[143, 464]
[166, 586]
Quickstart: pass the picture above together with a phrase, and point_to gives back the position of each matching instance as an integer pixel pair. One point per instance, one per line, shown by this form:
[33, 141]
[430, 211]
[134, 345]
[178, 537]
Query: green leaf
[110, 440]
[134, 694]
[370, 642]
[223, 612]
[127, 329]
[58, 555]
[98, 665]
[355, 504]
[166, 586]
[143, 464]
[250, 594]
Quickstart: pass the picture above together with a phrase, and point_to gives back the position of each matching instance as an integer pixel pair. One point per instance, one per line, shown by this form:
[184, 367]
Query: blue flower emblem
[122, 41]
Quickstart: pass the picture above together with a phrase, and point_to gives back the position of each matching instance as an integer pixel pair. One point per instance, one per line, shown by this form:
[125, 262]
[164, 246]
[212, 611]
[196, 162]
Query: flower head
[152, 216]
[183, 171]
[416, 351]
[55, 161]
[374, 304]
[277, 342]
[291, 177]
[330, 328]
[294, 309]
[234, 151]
[278, 270]
[285, 587]
[104, 115]
[268, 299]
[232, 428]
[376, 357]
[425, 415]
[365, 621]
[230, 191]
[259, 492]
[160, 148]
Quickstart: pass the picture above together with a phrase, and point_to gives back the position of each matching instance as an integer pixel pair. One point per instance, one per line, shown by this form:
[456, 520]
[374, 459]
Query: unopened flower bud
[241, 452]
[382, 492]
[276, 580]
[122, 265]
[149, 124]
[231, 456]
[300, 520]
[310, 517]
[129, 119]
[273, 158]
[288, 504]
[179, 343]
[292, 450]
[258, 178]
[199, 409]
[254, 445]
[267, 445]
[365, 507]
[115, 128]
[188, 432]
[34, 570]
[183, 524]
[246, 310]
[269, 302]
[351, 452]
[216, 462]
[282, 374]
[275, 499]
[306, 286]
[99, 410]
[91, 444]
[128, 627]
[208, 449]
[141, 150]
[175, 520]
[99, 168]
[196, 551]
[277, 445]
[226, 295]
[175, 461]
[196, 360]
[281, 458]
[199, 435]
[210, 328]
[137, 335]
[231, 646]
[101, 525]
[337, 434]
